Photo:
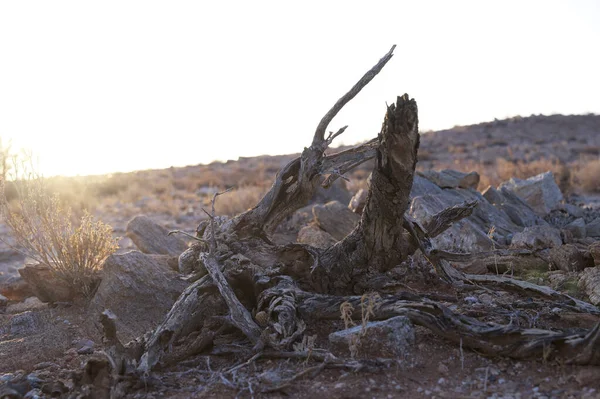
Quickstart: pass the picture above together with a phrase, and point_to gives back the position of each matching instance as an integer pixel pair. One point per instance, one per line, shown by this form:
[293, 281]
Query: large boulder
[537, 237]
[393, 337]
[314, 236]
[449, 178]
[335, 218]
[139, 289]
[541, 192]
[151, 238]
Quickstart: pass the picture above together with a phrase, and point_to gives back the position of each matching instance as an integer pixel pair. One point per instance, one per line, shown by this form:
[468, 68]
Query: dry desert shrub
[587, 175]
[43, 230]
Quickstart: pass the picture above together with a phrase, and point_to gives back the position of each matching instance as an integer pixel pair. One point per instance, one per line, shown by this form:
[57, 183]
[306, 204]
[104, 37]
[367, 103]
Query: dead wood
[492, 339]
[268, 292]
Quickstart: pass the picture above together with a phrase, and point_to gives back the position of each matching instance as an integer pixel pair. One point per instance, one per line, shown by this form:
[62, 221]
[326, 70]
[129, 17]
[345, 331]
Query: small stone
[85, 347]
[443, 369]
[394, 337]
[31, 303]
[25, 323]
[471, 299]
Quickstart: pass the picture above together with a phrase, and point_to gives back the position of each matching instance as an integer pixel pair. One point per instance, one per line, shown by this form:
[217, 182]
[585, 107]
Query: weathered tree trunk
[268, 292]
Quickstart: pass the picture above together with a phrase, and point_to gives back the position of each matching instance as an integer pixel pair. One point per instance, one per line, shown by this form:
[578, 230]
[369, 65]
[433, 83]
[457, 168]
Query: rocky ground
[51, 346]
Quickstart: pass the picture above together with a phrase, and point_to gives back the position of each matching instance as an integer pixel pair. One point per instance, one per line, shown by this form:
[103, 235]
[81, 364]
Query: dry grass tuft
[588, 175]
[239, 200]
[43, 230]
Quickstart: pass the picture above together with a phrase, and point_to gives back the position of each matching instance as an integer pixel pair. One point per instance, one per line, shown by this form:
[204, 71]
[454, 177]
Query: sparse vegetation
[588, 176]
[44, 231]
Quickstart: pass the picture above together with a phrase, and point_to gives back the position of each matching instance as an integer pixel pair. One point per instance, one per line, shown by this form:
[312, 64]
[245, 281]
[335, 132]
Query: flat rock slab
[389, 338]
[449, 178]
[335, 218]
[541, 192]
[139, 289]
[152, 238]
[589, 282]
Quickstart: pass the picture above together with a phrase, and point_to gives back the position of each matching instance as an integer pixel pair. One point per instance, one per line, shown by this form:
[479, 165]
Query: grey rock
[25, 323]
[573, 210]
[47, 286]
[540, 192]
[518, 211]
[537, 237]
[358, 202]
[593, 228]
[31, 303]
[449, 178]
[151, 238]
[337, 192]
[189, 260]
[422, 186]
[312, 235]
[577, 228]
[589, 282]
[3, 302]
[335, 218]
[467, 235]
[139, 289]
[566, 257]
[394, 337]
[595, 252]
[84, 347]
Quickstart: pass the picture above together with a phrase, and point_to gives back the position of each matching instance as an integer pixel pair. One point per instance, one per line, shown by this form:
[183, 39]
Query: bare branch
[319, 137]
[332, 135]
[342, 162]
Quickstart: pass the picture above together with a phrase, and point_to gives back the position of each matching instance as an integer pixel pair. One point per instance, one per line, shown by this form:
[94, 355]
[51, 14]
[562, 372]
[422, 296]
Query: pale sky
[107, 86]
